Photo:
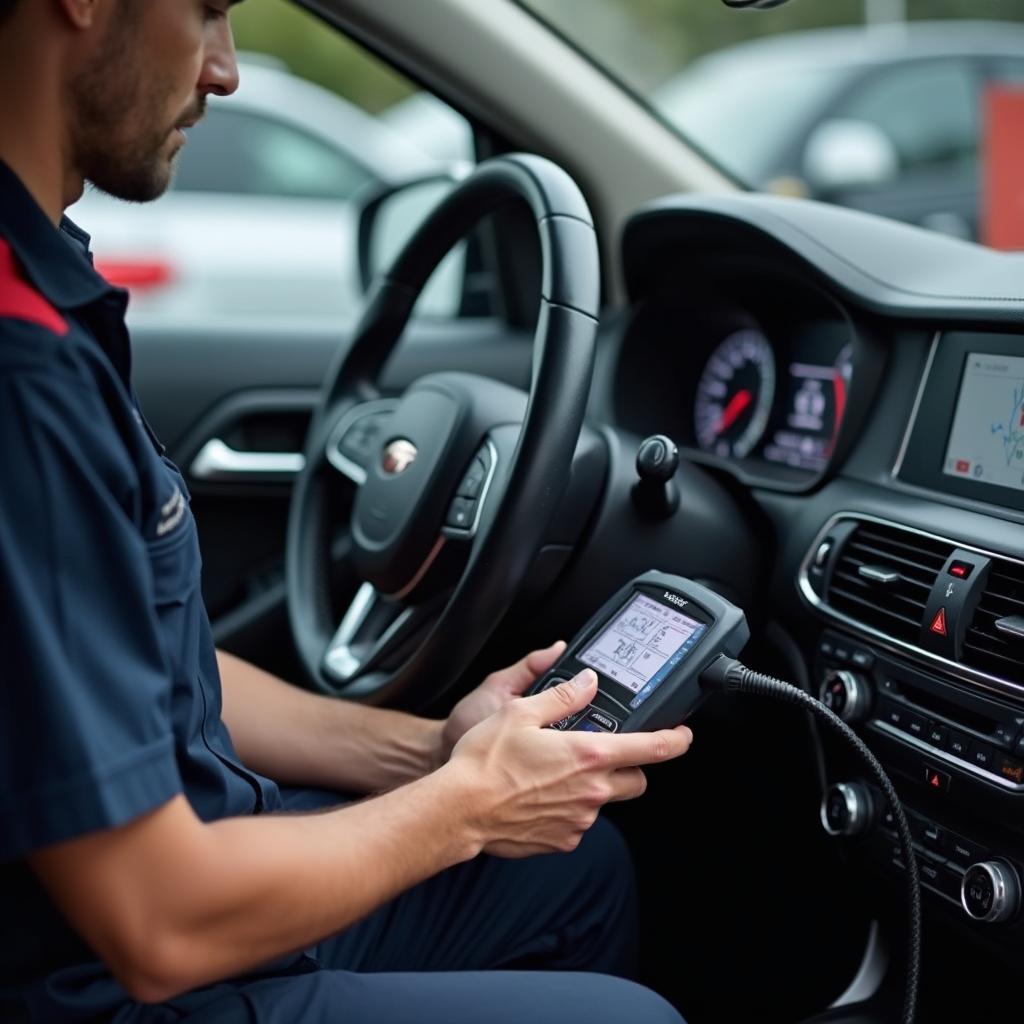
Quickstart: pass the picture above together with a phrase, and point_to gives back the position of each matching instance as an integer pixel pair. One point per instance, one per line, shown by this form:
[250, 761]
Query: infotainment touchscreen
[986, 443]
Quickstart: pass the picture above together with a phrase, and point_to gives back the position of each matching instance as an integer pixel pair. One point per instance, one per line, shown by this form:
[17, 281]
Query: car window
[928, 111]
[252, 154]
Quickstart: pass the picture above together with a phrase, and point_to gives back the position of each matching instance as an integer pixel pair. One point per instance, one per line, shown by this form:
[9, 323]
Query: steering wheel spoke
[372, 634]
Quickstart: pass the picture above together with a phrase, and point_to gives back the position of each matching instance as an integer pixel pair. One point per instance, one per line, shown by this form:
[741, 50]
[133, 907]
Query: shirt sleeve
[86, 739]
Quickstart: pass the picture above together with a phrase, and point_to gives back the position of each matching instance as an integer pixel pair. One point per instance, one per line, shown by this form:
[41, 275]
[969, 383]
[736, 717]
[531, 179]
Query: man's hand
[533, 790]
[493, 694]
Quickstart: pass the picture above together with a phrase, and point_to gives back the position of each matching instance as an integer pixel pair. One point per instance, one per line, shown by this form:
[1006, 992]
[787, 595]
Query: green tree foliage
[316, 51]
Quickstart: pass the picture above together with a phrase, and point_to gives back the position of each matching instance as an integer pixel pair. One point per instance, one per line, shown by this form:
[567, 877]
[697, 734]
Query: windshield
[906, 108]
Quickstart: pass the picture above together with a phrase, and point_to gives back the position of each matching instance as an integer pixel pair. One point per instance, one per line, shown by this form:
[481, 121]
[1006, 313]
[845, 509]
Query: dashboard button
[916, 725]
[892, 713]
[1010, 769]
[983, 756]
[862, 659]
[949, 882]
[934, 838]
[958, 744]
[1004, 736]
[935, 779]
[964, 850]
[937, 734]
[827, 648]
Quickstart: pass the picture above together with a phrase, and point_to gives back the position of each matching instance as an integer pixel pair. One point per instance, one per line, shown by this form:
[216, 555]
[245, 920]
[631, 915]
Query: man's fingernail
[689, 734]
[583, 680]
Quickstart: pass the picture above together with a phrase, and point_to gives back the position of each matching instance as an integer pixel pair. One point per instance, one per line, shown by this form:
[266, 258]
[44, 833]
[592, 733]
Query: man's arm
[171, 903]
[302, 738]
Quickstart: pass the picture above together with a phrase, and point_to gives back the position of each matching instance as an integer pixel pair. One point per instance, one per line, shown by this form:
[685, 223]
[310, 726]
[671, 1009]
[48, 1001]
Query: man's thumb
[556, 702]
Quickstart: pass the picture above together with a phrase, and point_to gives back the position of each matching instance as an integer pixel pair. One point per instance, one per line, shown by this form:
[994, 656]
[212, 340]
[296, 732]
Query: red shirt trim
[20, 301]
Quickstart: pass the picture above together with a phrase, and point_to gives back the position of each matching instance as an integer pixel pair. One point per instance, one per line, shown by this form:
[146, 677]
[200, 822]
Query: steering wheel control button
[846, 694]
[473, 481]
[846, 809]
[461, 513]
[990, 891]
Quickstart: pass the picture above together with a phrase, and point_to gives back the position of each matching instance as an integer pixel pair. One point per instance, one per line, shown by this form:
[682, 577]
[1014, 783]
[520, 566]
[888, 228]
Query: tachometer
[735, 394]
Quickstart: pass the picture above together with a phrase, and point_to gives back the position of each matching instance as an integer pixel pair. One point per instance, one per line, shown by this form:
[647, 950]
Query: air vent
[985, 647]
[883, 577]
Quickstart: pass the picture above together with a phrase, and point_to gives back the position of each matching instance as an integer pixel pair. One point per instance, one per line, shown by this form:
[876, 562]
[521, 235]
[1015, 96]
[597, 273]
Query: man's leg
[466, 997]
[558, 912]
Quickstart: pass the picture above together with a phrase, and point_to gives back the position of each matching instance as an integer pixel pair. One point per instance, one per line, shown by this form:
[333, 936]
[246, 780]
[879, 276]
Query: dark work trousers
[491, 941]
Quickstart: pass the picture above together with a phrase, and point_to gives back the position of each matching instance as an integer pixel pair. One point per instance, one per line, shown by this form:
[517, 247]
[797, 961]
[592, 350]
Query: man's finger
[558, 702]
[628, 784]
[523, 674]
[632, 749]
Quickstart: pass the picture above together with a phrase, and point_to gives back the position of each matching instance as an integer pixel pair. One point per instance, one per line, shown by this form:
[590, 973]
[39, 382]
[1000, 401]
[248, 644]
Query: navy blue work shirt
[109, 692]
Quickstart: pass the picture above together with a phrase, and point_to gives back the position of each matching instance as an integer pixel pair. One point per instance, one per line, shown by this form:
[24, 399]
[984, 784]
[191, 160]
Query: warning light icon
[939, 623]
[934, 780]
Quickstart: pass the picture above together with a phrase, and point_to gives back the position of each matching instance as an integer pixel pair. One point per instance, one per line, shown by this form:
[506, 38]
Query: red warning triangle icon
[939, 623]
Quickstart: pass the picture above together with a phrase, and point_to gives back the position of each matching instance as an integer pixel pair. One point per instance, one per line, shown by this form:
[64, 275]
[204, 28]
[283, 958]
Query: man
[143, 873]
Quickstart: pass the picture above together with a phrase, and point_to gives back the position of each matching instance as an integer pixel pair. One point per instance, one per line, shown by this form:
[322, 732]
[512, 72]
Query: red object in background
[1002, 213]
[136, 275]
[963, 466]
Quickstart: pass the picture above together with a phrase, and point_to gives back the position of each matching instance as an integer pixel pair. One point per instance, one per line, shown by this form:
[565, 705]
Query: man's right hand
[537, 790]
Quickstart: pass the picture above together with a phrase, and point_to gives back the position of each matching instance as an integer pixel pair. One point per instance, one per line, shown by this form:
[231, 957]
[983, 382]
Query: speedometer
[735, 394]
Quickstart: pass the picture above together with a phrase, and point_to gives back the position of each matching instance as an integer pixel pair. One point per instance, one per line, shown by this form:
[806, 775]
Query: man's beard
[120, 142]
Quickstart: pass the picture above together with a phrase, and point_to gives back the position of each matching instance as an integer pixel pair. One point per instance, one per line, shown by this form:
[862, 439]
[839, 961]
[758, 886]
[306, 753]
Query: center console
[923, 654]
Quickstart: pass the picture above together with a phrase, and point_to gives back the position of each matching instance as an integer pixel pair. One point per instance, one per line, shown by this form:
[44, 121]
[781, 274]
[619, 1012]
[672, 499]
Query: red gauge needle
[731, 413]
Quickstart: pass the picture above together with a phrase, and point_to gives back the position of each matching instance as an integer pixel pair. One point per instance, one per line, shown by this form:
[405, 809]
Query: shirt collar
[56, 261]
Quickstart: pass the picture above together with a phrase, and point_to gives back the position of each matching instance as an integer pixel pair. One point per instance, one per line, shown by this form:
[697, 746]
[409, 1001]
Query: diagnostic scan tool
[648, 646]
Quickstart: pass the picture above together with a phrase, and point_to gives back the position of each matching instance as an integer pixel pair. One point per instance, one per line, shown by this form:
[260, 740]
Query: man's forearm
[302, 738]
[171, 903]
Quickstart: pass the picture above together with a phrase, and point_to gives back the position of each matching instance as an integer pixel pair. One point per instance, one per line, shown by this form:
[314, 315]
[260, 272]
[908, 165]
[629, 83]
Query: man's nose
[219, 73]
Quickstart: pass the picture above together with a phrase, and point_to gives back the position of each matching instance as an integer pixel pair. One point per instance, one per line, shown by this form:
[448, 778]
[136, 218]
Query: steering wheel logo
[398, 456]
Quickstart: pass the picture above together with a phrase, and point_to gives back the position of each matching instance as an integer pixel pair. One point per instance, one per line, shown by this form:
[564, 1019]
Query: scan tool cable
[727, 675]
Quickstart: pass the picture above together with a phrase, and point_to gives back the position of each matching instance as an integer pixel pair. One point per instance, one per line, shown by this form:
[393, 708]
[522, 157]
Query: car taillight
[136, 275]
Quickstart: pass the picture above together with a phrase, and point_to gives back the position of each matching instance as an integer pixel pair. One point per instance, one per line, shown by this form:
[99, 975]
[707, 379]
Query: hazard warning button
[939, 623]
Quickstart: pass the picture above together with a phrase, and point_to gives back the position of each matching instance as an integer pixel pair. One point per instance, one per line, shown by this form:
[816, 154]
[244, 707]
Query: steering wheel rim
[537, 471]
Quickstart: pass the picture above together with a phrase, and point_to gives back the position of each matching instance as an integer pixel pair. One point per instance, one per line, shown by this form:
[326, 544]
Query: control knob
[845, 693]
[990, 891]
[846, 809]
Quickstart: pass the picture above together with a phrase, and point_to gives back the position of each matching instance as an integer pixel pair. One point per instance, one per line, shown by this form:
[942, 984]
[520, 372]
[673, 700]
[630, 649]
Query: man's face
[146, 78]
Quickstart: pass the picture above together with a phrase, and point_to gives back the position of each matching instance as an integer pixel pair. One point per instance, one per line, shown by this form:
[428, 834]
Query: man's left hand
[494, 693]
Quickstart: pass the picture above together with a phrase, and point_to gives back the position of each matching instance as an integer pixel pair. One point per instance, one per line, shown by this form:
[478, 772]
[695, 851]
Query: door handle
[217, 461]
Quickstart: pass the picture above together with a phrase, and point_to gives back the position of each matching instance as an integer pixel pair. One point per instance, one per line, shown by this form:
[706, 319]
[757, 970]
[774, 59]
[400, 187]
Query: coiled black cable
[730, 676]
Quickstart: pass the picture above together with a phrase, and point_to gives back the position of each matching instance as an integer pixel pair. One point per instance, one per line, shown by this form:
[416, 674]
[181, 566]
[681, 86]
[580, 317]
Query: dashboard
[858, 385]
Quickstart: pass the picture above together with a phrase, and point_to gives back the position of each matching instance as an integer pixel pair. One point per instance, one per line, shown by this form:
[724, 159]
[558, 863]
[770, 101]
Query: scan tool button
[598, 721]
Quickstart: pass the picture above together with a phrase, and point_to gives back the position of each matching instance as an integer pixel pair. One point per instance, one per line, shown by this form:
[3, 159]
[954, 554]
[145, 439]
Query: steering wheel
[458, 478]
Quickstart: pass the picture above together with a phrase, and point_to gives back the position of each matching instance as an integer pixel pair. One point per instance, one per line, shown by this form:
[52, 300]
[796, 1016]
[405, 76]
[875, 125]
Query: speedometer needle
[732, 411]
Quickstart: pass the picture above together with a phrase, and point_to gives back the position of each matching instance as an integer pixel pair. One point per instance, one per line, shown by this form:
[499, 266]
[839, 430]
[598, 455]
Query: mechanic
[143, 855]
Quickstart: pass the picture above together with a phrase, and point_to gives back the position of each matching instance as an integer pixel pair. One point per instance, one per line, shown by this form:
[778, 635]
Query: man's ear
[80, 14]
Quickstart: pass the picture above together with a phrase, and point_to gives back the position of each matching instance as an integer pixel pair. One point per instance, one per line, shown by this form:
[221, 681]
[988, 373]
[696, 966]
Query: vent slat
[870, 553]
[850, 566]
[985, 648]
[896, 609]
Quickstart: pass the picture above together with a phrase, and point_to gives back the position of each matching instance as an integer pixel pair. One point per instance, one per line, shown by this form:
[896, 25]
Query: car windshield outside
[905, 108]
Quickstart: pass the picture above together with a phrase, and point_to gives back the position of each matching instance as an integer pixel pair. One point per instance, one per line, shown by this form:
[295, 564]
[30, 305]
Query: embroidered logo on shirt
[171, 513]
